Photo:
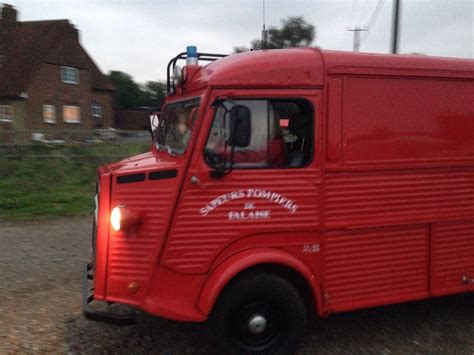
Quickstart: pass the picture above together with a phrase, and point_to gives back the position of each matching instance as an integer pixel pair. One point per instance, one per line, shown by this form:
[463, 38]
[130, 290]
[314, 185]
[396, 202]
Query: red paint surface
[385, 209]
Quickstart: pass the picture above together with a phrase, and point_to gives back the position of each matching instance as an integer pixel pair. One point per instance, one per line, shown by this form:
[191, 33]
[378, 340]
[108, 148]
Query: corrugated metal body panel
[133, 254]
[195, 239]
[452, 257]
[384, 198]
[376, 266]
[405, 120]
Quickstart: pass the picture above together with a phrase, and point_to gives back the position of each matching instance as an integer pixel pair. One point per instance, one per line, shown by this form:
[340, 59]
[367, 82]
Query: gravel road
[40, 309]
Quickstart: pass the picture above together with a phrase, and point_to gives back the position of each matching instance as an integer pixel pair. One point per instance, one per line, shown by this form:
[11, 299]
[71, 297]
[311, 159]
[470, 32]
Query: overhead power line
[372, 20]
[376, 12]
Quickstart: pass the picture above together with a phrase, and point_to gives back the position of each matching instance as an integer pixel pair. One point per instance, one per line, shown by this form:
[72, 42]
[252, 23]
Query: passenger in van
[299, 147]
[267, 147]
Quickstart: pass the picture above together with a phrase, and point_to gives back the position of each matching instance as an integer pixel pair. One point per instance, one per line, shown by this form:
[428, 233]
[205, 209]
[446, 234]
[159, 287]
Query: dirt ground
[40, 309]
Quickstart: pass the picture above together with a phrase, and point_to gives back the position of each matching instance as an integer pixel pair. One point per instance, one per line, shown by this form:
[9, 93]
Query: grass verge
[52, 182]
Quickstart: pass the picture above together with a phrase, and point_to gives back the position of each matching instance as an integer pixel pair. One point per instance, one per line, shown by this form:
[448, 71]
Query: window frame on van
[270, 99]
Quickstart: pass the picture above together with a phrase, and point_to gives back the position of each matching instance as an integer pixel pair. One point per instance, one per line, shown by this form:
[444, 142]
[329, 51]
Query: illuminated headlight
[115, 218]
[122, 218]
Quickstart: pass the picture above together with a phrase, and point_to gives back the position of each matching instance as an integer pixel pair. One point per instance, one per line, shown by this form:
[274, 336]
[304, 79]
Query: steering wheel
[214, 159]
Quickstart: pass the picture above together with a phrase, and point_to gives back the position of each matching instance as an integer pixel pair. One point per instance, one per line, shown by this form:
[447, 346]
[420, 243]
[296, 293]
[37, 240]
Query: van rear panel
[405, 120]
[398, 189]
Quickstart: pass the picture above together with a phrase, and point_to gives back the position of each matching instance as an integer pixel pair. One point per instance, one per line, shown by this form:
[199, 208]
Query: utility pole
[357, 30]
[264, 31]
[395, 26]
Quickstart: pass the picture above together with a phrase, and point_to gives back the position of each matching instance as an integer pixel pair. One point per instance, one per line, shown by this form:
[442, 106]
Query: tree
[127, 93]
[154, 93]
[294, 32]
[240, 49]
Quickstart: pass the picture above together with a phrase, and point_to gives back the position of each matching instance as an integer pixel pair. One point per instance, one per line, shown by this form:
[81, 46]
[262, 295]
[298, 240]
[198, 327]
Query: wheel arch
[271, 260]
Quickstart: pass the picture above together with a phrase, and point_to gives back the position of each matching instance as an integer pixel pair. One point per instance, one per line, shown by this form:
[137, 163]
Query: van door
[452, 257]
[265, 194]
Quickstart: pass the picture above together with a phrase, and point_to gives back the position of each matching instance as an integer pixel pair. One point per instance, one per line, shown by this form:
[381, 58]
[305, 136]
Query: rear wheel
[261, 313]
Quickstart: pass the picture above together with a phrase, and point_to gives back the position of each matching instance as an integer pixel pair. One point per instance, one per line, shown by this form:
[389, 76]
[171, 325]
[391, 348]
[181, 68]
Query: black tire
[236, 321]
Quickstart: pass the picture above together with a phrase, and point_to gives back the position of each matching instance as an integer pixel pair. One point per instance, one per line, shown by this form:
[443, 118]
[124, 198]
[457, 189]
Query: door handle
[195, 181]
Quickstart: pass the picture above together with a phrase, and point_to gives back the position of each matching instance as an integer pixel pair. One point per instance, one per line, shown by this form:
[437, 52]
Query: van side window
[281, 135]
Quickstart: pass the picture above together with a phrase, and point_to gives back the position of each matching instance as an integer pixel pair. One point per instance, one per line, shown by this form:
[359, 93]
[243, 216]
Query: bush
[59, 181]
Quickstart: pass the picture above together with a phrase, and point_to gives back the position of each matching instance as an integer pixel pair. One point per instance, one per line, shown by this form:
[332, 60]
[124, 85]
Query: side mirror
[154, 122]
[240, 127]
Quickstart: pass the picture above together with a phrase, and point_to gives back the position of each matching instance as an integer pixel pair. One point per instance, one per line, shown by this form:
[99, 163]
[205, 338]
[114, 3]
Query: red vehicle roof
[307, 67]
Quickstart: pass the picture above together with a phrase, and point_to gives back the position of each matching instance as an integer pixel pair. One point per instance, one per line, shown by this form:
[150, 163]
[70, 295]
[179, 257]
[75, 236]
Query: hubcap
[257, 324]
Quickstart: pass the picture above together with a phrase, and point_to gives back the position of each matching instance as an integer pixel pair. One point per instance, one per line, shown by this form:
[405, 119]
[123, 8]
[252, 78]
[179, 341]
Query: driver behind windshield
[175, 127]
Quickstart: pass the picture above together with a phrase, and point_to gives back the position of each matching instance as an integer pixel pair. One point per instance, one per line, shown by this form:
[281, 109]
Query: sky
[139, 37]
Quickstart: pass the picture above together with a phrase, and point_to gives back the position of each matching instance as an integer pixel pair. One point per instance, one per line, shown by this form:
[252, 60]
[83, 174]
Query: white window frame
[6, 113]
[78, 121]
[70, 75]
[52, 109]
[96, 111]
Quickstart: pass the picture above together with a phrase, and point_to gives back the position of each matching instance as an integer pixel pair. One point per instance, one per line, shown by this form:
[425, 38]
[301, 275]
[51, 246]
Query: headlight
[115, 218]
[122, 218]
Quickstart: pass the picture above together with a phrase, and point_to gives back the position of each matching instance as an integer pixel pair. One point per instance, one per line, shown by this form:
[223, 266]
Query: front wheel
[261, 313]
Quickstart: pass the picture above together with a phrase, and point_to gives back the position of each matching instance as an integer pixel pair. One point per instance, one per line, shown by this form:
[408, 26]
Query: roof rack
[209, 57]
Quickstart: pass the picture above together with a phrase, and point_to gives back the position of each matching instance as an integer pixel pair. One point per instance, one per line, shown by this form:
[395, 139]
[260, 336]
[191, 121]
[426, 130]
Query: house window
[70, 75]
[96, 111]
[71, 114]
[6, 114]
[49, 113]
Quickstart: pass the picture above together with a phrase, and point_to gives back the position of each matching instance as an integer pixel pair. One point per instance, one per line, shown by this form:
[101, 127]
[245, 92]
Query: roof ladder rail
[208, 57]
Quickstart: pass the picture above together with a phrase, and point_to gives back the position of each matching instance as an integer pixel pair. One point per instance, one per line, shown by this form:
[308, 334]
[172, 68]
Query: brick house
[48, 82]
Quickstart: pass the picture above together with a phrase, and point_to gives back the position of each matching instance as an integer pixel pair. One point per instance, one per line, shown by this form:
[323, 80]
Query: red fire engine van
[285, 181]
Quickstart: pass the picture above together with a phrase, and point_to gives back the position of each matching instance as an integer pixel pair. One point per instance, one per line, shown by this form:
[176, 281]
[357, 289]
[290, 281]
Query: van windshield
[175, 126]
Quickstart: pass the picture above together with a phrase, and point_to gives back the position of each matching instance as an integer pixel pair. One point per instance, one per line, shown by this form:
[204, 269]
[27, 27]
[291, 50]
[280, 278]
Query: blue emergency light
[191, 55]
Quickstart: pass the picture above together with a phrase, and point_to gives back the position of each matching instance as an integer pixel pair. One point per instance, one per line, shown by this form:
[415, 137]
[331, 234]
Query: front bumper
[101, 311]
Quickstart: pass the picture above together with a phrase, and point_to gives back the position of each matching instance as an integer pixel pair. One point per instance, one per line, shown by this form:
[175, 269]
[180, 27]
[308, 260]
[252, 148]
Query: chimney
[7, 17]
[73, 31]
